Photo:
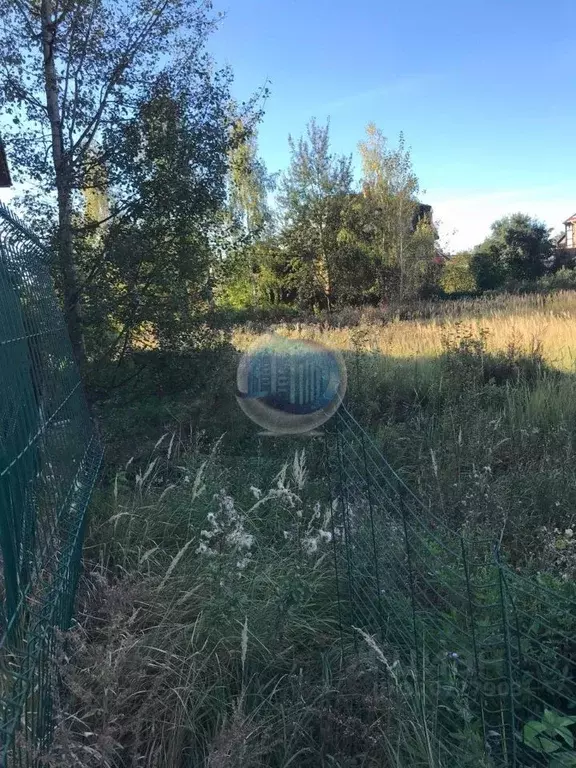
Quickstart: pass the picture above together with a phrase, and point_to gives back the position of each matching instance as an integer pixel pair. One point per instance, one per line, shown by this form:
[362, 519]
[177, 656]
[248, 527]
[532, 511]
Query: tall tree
[522, 245]
[390, 187]
[250, 182]
[312, 194]
[71, 69]
[153, 277]
[249, 185]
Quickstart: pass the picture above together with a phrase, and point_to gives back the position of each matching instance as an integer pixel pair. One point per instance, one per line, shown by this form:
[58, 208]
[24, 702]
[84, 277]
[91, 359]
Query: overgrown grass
[480, 415]
[417, 332]
[208, 630]
[208, 633]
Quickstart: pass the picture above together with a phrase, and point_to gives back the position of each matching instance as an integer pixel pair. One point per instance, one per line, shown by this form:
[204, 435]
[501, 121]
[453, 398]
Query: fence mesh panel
[49, 458]
[486, 651]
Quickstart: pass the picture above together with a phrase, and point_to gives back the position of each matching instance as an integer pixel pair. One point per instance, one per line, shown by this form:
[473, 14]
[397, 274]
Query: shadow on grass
[192, 394]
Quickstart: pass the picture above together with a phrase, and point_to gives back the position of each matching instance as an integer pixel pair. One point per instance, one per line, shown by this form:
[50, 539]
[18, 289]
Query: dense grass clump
[208, 631]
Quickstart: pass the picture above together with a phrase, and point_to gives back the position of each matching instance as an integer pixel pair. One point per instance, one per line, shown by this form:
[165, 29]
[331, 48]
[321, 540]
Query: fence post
[328, 471]
[373, 532]
[512, 763]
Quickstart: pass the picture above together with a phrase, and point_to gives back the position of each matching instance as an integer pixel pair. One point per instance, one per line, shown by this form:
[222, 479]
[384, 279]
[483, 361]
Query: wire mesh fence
[49, 458]
[488, 656]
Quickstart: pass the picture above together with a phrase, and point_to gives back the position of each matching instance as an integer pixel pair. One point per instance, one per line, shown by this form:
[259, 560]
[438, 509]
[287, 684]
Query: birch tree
[249, 185]
[71, 69]
[312, 193]
[390, 187]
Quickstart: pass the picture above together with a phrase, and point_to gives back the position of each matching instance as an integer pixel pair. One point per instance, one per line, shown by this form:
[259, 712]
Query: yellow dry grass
[521, 322]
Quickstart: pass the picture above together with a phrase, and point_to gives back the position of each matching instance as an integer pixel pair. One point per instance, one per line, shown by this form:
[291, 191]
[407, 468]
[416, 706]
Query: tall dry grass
[521, 321]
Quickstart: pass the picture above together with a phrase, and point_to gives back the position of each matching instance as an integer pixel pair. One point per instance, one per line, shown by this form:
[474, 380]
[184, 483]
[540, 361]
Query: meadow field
[208, 626]
[523, 321]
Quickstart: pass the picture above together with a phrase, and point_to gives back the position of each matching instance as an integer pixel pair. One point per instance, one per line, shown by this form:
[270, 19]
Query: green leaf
[563, 760]
[552, 718]
[568, 720]
[565, 734]
[547, 745]
[531, 731]
[536, 738]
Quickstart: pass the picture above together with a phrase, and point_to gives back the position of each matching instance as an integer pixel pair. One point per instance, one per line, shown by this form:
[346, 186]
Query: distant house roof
[5, 180]
[571, 220]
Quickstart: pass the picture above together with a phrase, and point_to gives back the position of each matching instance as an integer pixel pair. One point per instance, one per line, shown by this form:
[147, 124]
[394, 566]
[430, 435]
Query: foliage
[96, 63]
[522, 246]
[457, 274]
[486, 267]
[141, 130]
[561, 280]
[390, 188]
[239, 279]
[106, 56]
[312, 194]
[257, 276]
[333, 246]
[151, 282]
[551, 736]
[249, 180]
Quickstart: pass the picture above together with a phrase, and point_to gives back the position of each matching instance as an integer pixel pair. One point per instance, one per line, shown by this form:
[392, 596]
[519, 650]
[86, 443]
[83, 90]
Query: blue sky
[485, 93]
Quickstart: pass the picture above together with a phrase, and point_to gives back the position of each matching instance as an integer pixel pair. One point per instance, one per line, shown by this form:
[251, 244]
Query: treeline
[331, 243]
[518, 253]
[145, 173]
[328, 242]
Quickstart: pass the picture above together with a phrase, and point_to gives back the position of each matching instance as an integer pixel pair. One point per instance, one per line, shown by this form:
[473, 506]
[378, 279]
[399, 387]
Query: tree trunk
[326, 270]
[68, 274]
[252, 265]
[401, 252]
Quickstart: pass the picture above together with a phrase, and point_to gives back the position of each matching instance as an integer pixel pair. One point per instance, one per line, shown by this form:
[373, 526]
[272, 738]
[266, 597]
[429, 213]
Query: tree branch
[23, 94]
[68, 62]
[123, 63]
[22, 8]
[76, 74]
[96, 224]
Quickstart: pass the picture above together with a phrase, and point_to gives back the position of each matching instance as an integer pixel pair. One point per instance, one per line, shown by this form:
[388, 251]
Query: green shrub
[458, 275]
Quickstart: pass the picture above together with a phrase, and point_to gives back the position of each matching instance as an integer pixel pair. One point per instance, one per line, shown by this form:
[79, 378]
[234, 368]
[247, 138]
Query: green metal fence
[489, 655]
[49, 457]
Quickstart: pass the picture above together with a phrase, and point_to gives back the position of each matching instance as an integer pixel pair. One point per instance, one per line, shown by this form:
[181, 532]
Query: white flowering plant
[282, 517]
[226, 532]
[560, 548]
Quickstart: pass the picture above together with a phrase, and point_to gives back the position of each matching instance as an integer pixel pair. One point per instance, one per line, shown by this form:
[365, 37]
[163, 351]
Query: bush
[458, 276]
[562, 280]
